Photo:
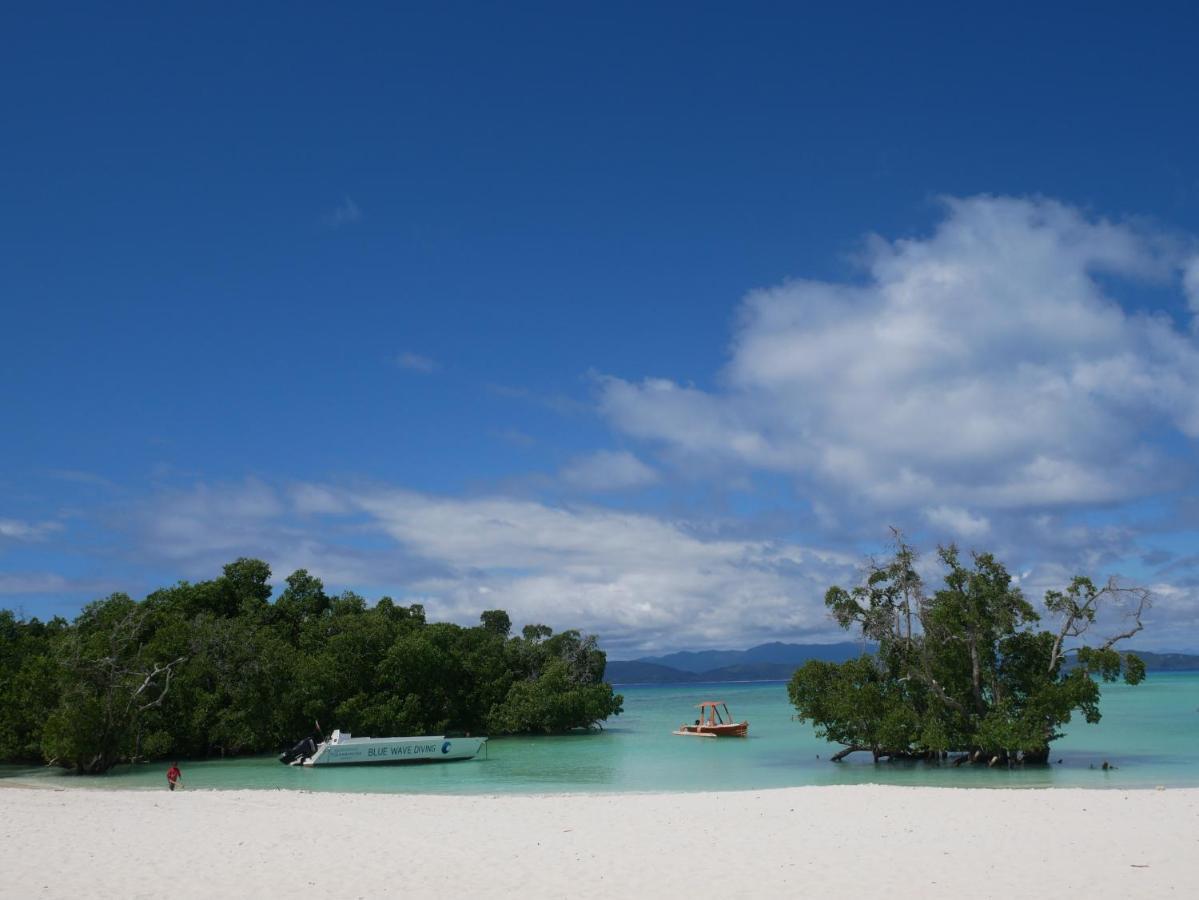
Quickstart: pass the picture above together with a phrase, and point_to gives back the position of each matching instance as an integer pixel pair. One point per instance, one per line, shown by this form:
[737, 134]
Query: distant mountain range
[766, 662]
[776, 661]
[1169, 662]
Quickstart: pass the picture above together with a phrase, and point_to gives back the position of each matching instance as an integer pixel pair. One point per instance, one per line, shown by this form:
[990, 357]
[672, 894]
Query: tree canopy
[968, 668]
[216, 668]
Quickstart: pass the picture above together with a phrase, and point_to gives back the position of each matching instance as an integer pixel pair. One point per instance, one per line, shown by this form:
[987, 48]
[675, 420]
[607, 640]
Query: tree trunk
[841, 754]
[976, 677]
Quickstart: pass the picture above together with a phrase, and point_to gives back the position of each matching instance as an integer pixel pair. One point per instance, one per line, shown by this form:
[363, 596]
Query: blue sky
[649, 320]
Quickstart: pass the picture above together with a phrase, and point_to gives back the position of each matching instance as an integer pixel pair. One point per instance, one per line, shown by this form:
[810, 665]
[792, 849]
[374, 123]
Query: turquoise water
[1150, 733]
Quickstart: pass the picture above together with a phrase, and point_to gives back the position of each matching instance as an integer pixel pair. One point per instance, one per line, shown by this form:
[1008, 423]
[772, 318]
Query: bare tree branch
[1078, 617]
[1144, 601]
[148, 682]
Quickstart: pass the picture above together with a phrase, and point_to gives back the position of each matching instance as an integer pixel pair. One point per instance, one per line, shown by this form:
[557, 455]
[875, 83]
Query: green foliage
[215, 668]
[496, 620]
[553, 702]
[28, 683]
[967, 669]
[562, 685]
[536, 632]
[109, 678]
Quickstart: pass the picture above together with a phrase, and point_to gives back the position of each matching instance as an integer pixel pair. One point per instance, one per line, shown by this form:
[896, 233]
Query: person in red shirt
[173, 775]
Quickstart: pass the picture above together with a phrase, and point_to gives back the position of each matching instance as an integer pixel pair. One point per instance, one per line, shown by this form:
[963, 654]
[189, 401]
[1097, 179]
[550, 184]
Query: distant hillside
[776, 661]
[751, 672]
[766, 662]
[636, 672]
[793, 654]
[1169, 662]
[1159, 662]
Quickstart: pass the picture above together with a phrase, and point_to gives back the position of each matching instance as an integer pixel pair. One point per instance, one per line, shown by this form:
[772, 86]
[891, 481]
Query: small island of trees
[965, 670]
[216, 668]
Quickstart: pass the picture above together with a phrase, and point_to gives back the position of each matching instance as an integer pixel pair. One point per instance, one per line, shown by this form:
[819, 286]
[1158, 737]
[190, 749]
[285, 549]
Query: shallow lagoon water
[1150, 733]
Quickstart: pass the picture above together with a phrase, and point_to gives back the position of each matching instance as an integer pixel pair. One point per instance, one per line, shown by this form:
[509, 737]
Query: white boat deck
[343, 748]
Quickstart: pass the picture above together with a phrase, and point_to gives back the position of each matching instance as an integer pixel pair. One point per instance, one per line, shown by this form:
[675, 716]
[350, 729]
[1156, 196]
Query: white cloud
[346, 213]
[212, 522]
[416, 363]
[314, 499]
[958, 521]
[608, 470]
[1174, 619]
[981, 383]
[18, 530]
[985, 366]
[640, 581]
[632, 577]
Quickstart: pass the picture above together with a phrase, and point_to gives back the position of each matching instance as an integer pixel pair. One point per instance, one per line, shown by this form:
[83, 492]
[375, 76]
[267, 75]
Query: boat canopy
[714, 719]
[709, 713]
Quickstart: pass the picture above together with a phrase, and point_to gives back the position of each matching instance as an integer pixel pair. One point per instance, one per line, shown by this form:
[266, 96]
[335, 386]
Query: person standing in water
[173, 775]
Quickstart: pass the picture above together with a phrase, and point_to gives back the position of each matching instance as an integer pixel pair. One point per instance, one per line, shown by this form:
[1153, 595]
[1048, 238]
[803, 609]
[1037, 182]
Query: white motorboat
[343, 749]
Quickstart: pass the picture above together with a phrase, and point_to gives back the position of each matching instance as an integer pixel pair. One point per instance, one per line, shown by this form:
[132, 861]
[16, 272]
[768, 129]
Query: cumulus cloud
[986, 366]
[1175, 607]
[640, 581]
[608, 470]
[643, 582]
[958, 522]
[212, 522]
[315, 499]
[631, 576]
[983, 383]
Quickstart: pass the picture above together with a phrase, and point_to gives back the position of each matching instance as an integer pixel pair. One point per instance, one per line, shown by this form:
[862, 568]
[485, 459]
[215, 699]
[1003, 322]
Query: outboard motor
[300, 752]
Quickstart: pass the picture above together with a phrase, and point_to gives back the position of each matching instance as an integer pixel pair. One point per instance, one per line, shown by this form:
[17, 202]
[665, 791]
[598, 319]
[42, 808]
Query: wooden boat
[714, 720]
[343, 749]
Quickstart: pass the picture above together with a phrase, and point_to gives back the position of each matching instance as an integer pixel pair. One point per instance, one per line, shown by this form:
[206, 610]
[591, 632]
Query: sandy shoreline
[820, 841]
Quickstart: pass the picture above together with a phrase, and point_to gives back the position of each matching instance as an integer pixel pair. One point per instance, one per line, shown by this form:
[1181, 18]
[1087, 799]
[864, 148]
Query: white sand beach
[815, 842]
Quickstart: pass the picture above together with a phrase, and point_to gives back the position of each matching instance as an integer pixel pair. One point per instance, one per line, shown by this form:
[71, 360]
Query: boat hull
[390, 751]
[735, 729]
